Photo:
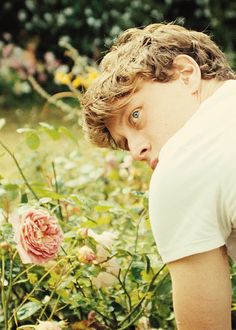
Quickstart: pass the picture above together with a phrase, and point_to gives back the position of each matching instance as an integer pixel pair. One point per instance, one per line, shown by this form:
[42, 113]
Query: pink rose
[86, 255]
[47, 325]
[37, 234]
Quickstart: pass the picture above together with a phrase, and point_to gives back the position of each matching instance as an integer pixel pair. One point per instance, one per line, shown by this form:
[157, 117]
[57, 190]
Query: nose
[140, 151]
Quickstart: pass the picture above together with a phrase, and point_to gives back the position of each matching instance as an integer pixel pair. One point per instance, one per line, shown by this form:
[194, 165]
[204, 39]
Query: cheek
[159, 131]
[154, 130]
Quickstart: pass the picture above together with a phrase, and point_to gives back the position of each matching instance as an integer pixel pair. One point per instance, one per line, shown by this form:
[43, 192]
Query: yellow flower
[62, 77]
[92, 75]
[77, 82]
[85, 80]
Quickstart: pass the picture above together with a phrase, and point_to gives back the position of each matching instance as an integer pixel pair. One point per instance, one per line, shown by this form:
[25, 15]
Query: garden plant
[76, 245]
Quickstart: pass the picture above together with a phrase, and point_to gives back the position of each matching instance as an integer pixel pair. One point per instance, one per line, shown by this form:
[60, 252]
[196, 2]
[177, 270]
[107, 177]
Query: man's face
[155, 112]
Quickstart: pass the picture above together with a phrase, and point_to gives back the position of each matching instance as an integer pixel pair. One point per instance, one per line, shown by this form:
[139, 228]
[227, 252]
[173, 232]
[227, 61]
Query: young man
[168, 96]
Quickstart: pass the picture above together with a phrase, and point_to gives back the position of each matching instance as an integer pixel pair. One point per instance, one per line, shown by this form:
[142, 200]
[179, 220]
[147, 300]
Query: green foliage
[92, 26]
[87, 190]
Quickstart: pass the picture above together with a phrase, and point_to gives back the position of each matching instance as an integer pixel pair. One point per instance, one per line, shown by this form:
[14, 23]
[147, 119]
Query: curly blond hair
[145, 54]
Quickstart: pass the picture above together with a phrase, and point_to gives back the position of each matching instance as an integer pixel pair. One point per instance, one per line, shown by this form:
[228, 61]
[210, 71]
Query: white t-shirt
[192, 196]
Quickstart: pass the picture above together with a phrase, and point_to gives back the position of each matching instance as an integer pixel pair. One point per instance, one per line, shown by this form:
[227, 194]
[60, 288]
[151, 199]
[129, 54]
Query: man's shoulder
[200, 153]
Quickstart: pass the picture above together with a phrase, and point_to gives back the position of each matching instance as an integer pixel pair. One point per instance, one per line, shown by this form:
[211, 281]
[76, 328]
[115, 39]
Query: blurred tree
[91, 26]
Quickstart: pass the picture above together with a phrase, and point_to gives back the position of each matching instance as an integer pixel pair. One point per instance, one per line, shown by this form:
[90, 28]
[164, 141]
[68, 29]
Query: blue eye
[135, 116]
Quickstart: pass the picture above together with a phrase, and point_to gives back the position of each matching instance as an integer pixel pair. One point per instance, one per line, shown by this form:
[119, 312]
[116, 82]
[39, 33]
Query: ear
[188, 72]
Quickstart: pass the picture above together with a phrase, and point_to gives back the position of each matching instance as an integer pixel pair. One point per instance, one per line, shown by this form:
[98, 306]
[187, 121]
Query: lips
[153, 163]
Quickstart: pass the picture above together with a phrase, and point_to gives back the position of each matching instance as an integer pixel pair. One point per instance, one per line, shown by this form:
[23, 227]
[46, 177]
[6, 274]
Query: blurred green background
[92, 25]
[35, 27]
[34, 39]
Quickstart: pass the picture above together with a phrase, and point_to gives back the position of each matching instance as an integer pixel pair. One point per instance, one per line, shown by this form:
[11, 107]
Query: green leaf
[102, 208]
[21, 281]
[52, 131]
[68, 133]
[47, 193]
[105, 219]
[54, 134]
[24, 198]
[148, 264]
[32, 140]
[12, 190]
[11, 187]
[33, 278]
[28, 309]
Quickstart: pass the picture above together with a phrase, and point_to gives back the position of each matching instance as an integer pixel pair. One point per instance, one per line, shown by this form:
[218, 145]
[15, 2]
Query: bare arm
[202, 291]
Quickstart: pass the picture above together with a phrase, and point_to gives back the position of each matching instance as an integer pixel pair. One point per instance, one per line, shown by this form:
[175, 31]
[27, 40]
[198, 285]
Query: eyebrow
[127, 107]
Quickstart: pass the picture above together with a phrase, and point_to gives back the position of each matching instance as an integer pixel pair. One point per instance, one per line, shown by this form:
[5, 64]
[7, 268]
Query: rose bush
[108, 262]
[37, 234]
[104, 221]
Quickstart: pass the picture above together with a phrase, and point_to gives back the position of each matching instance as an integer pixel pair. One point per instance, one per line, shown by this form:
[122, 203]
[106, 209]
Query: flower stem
[126, 293]
[77, 285]
[24, 271]
[52, 294]
[34, 288]
[57, 190]
[53, 99]
[3, 296]
[140, 303]
[54, 307]
[9, 284]
[20, 169]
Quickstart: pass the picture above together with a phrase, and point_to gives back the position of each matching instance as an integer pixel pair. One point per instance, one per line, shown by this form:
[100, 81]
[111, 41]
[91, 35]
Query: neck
[208, 88]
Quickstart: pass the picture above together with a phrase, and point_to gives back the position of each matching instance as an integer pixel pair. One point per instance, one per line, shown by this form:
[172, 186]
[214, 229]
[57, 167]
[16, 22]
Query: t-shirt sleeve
[185, 213]
[228, 189]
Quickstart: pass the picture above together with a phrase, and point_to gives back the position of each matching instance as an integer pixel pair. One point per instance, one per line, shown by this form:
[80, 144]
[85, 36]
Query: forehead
[125, 103]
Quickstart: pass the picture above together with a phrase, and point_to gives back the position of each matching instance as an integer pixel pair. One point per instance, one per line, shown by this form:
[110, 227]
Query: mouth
[153, 163]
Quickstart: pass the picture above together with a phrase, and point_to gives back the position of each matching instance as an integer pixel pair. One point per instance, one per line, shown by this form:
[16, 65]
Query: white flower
[101, 253]
[106, 238]
[143, 324]
[48, 325]
[112, 266]
[103, 280]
